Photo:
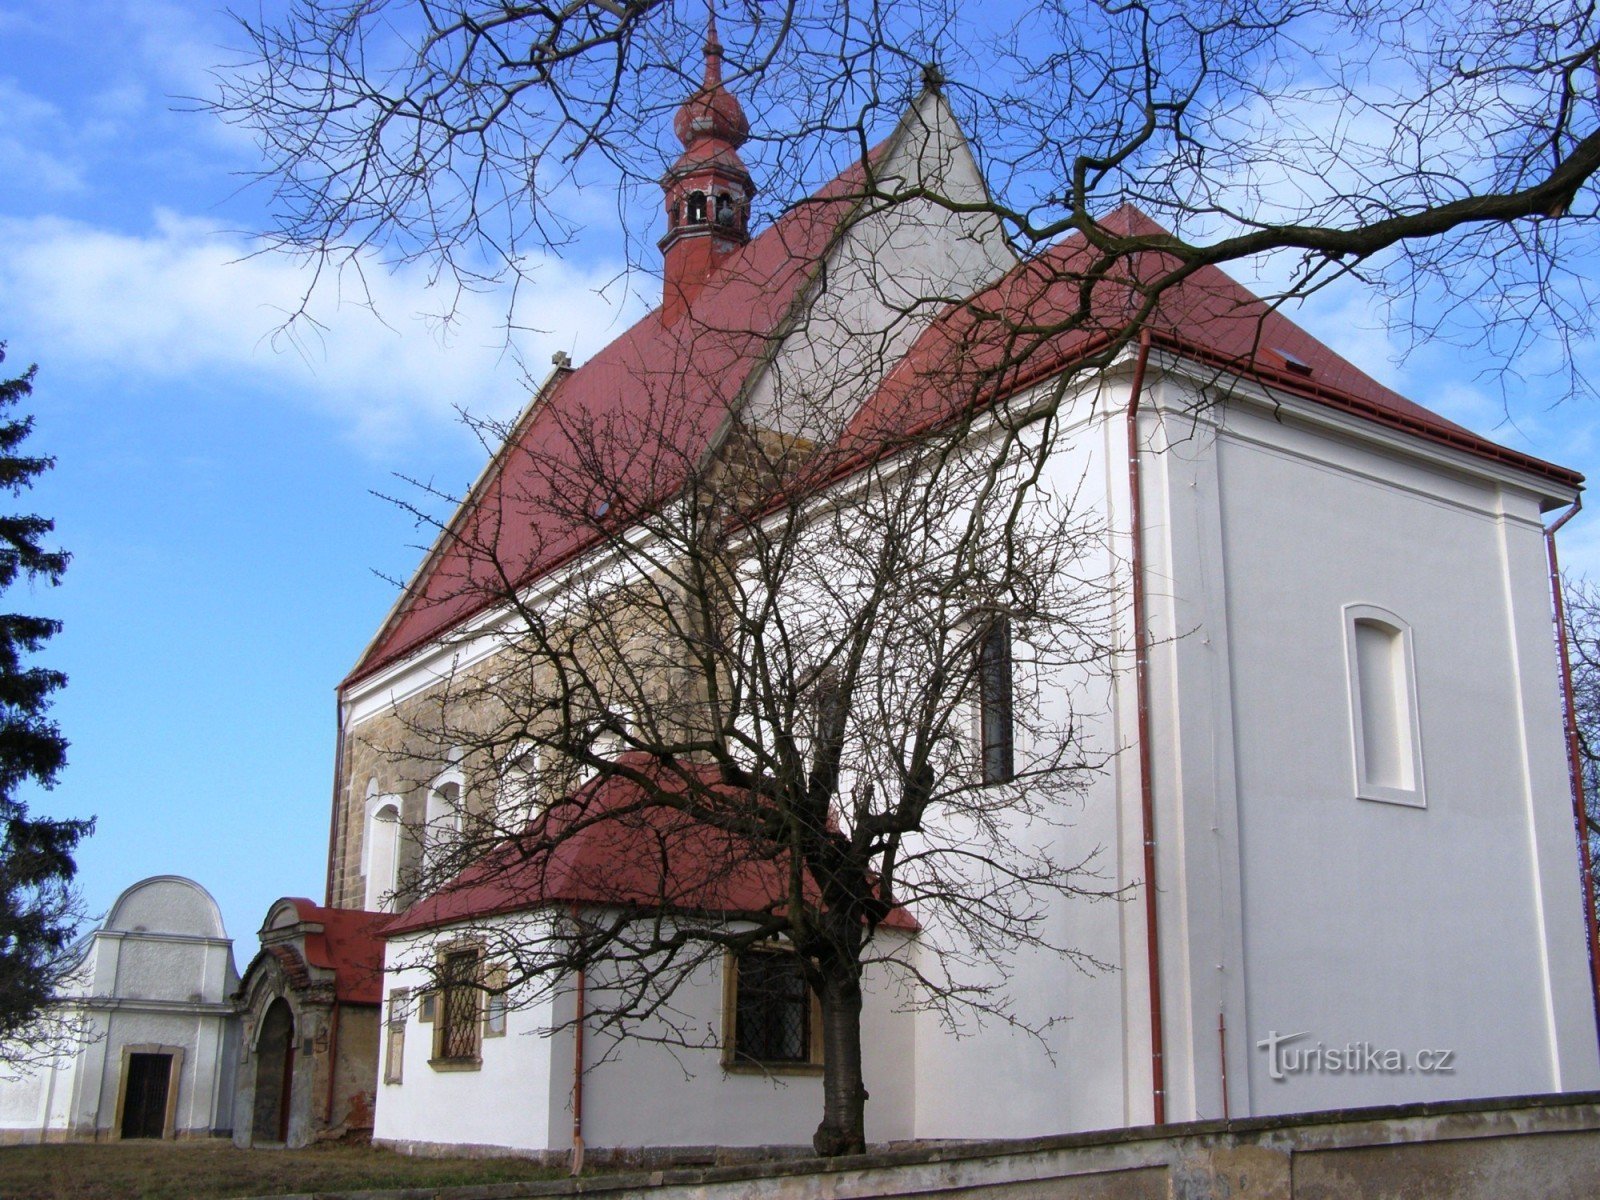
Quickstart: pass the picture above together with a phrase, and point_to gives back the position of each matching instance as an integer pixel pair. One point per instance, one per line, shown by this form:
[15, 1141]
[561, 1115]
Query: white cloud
[188, 302]
[35, 154]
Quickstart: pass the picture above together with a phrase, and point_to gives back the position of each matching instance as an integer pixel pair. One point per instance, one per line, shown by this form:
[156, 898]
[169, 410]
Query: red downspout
[1141, 655]
[333, 1065]
[1575, 758]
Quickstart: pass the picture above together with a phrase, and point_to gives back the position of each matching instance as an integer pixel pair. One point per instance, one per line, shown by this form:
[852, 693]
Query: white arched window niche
[1386, 734]
[380, 849]
[442, 813]
[519, 784]
[612, 733]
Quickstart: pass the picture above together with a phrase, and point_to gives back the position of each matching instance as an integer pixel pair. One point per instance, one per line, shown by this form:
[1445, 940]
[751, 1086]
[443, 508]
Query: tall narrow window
[994, 701]
[612, 733]
[828, 705]
[443, 814]
[1383, 706]
[496, 1003]
[381, 852]
[394, 1046]
[440, 835]
[517, 788]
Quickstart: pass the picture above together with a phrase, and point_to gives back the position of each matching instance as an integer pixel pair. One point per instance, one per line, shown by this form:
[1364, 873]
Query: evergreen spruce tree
[39, 907]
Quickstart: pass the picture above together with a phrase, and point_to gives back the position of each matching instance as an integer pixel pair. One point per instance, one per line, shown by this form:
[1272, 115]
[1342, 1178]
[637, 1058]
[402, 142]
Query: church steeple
[708, 189]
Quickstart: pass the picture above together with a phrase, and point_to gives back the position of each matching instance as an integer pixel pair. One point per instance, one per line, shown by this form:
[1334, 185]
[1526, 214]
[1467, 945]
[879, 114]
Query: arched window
[724, 209]
[380, 852]
[442, 817]
[612, 732]
[519, 785]
[697, 209]
[1385, 734]
[444, 807]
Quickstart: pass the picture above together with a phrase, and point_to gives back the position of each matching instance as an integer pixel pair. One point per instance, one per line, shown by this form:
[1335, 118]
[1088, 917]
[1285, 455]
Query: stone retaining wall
[1522, 1148]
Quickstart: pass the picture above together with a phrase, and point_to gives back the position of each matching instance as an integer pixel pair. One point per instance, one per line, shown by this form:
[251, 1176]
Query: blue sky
[215, 480]
[214, 483]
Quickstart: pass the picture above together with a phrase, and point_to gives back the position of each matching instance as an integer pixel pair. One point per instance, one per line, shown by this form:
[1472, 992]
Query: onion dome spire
[712, 112]
[708, 189]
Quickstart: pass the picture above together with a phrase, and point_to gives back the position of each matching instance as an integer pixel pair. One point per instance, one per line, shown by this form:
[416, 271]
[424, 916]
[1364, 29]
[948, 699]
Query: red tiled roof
[643, 411]
[1009, 337]
[611, 843]
[350, 945]
[645, 408]
[650, 403]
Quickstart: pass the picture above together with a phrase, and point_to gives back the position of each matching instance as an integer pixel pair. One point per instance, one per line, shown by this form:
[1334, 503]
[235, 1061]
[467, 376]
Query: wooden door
[144, 1097]
[274, 1075]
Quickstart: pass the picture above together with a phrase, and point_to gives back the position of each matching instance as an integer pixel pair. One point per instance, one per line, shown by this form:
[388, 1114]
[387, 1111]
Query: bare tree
[793, 691]
[1447, 151]
[1583, 648]
[62, 1024]
[769, 691]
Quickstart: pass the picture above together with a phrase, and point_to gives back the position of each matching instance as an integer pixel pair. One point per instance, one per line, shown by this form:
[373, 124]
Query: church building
[1329, 816]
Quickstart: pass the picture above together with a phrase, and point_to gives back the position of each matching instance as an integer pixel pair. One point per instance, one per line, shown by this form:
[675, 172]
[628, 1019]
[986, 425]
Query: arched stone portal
[309, 1003]
[274, 1074]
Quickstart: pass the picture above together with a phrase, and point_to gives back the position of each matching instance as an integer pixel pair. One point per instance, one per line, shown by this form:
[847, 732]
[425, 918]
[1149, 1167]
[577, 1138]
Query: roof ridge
[743, 267]
[1310, 367]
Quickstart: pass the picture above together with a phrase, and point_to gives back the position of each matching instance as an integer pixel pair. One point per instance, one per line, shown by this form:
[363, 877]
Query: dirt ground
[216, 1170]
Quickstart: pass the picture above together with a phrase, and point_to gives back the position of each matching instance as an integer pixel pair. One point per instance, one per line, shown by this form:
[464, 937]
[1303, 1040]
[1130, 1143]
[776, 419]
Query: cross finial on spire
[713, 48]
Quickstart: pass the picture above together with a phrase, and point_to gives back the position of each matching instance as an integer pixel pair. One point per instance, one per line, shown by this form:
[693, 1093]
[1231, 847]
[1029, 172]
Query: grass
[215, 1170]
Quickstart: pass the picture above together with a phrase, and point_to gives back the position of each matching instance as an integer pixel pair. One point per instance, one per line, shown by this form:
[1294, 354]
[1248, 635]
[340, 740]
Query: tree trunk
[844, 1097]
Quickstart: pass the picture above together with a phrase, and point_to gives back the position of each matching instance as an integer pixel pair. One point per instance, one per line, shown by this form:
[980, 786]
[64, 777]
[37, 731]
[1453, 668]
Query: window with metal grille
[459, 1006]
[994, 701]
[772, 1009]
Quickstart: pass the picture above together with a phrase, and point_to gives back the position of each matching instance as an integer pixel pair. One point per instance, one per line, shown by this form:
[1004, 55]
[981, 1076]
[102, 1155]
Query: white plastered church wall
[640, 1090]
[988, 1079]
[889, 274]
[453, 1107]
[1288, 904]
[1458, 924]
